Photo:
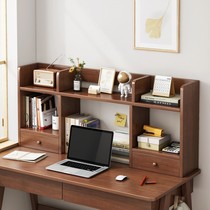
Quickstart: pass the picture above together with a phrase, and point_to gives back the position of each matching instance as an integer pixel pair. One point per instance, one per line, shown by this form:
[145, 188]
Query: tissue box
[152, 142]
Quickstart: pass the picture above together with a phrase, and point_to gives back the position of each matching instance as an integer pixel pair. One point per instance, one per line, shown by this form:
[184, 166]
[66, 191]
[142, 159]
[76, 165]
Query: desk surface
[104, 182]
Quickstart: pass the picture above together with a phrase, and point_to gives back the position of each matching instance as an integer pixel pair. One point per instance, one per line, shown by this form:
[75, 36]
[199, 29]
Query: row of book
[80, 120]
[39, 111]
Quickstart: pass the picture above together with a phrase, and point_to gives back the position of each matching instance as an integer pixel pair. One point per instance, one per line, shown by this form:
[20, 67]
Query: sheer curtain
[3, 73]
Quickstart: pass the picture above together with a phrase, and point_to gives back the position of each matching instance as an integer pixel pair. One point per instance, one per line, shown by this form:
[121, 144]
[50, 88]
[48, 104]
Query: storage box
[152, 142]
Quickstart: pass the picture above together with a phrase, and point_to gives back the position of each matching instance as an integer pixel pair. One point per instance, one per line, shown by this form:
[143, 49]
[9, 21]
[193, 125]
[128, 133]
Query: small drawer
[156, 163]
[39, 140]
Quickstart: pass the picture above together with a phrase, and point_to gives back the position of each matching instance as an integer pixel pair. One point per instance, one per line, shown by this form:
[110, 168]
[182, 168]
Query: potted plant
[77, 67]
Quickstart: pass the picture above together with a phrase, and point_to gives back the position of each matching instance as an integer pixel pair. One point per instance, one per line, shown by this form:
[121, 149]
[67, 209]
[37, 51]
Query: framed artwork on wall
[106, 80]
[156, 25]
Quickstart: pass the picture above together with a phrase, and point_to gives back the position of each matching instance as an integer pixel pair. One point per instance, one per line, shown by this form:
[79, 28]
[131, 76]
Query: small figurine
[124, 79]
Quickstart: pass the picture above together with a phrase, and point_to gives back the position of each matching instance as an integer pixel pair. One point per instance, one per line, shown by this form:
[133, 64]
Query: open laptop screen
[90, 145]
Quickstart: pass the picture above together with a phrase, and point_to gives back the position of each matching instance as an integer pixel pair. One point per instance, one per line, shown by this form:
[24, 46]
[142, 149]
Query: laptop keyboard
[80, 166]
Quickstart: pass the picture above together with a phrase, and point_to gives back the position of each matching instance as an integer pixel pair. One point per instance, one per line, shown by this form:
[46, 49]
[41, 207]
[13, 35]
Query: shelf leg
[34, 201]
[1, 196]
[165, 202]
[186, 192]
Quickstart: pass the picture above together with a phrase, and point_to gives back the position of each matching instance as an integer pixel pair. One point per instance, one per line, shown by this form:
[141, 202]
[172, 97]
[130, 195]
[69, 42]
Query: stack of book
[39, 111]
[80, 120]
[120, 147]
[166, 101]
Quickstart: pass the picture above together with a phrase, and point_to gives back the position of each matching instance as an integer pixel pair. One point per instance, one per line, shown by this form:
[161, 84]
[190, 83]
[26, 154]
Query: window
[3, 73]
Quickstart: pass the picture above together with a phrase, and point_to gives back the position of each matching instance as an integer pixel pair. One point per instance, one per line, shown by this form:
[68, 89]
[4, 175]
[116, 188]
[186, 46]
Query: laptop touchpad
[71, 170]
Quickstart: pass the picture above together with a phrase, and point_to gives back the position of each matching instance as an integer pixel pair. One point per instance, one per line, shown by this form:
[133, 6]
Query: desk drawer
[105, 200]
[156, 163]
[31, 184]
[37, 140]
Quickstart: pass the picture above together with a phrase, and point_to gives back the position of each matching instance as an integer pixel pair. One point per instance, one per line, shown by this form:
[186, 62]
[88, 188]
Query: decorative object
[94, 89]
[77, 68]
[55, 121]
[124, 86]
[106, 80]
[157, 25]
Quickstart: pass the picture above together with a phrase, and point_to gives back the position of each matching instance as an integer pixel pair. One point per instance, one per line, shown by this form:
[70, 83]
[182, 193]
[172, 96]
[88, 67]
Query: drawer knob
[154, 164]
[38, 142]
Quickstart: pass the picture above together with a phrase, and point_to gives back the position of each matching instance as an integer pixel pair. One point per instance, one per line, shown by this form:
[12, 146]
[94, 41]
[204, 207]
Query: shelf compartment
[112, 98]
[144, 85]
[37, 89]
[160, 107]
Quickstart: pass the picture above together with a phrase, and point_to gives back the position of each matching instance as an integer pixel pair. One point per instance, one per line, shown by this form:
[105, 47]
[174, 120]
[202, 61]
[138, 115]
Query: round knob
[38, 142]
[154, 164]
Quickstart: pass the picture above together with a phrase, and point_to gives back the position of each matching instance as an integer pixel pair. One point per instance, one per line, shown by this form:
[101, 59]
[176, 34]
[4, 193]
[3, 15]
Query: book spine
[164, 99]
[164, 103]
[34, 117]
[38, 112]
[92, 124]
[46, 118]
[27, 111]
[67, 132]
[47, 109]
[120, 159]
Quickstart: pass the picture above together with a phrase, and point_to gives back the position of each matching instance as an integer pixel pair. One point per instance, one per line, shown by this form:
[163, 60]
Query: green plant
[76, 66]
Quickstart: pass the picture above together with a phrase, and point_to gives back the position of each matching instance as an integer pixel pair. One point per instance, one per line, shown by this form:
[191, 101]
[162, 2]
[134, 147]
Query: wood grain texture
[35, 179]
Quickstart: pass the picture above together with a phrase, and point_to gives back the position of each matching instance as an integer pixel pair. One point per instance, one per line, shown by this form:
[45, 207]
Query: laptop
[89, 152]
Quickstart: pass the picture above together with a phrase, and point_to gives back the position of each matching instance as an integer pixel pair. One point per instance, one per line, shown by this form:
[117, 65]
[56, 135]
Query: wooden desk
[101, 191]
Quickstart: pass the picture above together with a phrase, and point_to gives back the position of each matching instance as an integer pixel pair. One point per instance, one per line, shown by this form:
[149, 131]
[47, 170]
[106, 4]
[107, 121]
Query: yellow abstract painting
[153, 27]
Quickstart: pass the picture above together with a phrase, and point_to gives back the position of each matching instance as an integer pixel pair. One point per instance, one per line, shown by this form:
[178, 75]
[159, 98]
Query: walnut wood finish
[101, 191]
[139, 114]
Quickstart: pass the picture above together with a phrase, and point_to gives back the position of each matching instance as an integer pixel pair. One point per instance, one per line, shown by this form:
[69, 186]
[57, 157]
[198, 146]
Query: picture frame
[106, 80]
[157, 25]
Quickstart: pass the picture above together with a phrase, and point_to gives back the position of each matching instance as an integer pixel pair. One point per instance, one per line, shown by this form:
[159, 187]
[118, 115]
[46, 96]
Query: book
[93, 123]
[28, 110]
[120, 151]
[121, 139]
[46, 110]
[165, 101]
[25, 156]
[73, 119]
[39, 102]
[69, 120]
[81, 119]
[27, 101]
[120, 158]
[34, 112]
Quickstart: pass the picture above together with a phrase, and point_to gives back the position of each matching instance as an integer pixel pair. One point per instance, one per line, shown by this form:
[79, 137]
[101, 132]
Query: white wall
[102, 33]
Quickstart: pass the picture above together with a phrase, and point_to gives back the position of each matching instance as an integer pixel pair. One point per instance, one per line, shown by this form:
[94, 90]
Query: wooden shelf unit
[69, 103]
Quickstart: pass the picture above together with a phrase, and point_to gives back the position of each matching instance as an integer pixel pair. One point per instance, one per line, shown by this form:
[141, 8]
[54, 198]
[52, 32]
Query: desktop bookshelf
[68, 103]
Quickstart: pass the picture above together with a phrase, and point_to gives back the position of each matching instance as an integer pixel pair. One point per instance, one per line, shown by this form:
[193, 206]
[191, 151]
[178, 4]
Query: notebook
[89, 152]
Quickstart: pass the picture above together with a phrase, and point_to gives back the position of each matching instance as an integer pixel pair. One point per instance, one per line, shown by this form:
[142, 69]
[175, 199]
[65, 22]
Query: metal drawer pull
[38, 142]
[154, 164]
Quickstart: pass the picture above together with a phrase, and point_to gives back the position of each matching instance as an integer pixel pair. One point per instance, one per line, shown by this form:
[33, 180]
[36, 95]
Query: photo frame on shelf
[156, 25]
[106, 80]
